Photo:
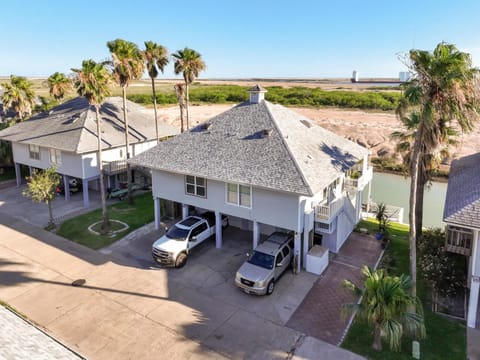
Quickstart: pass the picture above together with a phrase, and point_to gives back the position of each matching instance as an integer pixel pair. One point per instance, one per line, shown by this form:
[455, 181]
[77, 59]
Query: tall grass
[294, 96]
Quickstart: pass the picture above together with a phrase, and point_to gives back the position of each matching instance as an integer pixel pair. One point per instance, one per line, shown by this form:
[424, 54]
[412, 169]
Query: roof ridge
[83, 128]
[304, 180]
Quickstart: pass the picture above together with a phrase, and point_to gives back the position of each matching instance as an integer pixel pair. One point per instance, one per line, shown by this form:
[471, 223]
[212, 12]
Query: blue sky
[237, 39]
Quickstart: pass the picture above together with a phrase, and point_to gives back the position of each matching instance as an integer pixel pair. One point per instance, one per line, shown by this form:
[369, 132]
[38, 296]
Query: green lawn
[446, 339]
[137, 215]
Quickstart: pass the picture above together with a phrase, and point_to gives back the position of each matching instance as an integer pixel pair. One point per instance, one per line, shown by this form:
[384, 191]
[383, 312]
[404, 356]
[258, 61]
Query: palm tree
[92, 81]
[430, 160]
[385, 304]
[190, 63]
[156, 59]
[444, 90]
[128, 65]
[59, 85]
[18, 96]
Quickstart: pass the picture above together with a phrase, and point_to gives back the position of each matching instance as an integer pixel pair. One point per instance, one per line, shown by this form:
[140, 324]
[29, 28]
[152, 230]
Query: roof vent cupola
[257, 94]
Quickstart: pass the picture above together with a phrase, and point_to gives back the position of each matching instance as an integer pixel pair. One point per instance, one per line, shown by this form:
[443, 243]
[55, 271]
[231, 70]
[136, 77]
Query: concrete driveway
[129, 310]
[13, 203]
[211, 271]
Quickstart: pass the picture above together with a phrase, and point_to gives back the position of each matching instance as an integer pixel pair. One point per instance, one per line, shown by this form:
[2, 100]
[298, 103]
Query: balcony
[359, 183]
[326, 212]
[459, 240]
[114, 167]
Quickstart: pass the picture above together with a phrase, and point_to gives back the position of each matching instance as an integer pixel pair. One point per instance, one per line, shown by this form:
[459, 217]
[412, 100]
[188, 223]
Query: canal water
[395, 190]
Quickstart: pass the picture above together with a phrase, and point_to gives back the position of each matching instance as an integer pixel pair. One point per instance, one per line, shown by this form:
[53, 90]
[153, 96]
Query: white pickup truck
[172, 249]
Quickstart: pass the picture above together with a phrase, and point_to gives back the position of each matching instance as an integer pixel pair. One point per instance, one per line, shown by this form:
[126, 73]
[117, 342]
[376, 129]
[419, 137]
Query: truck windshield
[177, 233]
[261, 259]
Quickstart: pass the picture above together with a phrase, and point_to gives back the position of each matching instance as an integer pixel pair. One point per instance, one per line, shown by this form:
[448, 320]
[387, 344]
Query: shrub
[446, 272]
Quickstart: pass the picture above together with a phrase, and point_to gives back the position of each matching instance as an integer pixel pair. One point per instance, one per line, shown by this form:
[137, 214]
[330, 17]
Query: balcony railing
[360, 182]
[114, 167]
[459, 240]
[326, 212]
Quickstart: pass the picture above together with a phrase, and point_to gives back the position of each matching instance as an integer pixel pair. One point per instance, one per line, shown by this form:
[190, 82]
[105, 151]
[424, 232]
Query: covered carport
[257, 228]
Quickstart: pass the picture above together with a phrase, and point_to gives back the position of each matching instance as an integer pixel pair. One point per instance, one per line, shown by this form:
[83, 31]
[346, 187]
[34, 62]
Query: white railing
[326, 212]
[459, 240]
[360, 182]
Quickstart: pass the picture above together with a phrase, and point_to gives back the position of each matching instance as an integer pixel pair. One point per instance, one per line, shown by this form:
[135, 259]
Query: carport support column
[218, 230]
[256, 233]
[18, 174]
[86, 200]
[473, 301]
[296, 251]
[157, 212]
[184, 211]
[66, 187]
[306, 235]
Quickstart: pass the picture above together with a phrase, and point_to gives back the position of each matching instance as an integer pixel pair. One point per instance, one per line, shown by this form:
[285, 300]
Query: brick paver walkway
[21, 340]
[319, 315]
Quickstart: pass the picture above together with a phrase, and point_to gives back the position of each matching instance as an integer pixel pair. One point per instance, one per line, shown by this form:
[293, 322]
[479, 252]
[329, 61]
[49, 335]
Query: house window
[240, 195]
[195, 185]
[55, 157]
[34, 151]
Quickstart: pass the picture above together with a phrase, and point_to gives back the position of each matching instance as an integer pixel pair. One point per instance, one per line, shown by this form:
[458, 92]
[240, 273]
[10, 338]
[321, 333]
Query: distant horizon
[240, 78]
[268, 39]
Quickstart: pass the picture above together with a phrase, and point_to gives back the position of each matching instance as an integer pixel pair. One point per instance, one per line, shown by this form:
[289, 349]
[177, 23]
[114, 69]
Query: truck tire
[181, 260]
[270, 287]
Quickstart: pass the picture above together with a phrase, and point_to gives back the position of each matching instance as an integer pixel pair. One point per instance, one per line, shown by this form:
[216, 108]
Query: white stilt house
[267, 168]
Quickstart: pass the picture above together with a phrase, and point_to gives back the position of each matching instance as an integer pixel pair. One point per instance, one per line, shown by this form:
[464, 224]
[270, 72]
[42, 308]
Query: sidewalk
[21, 340]
[319, 315]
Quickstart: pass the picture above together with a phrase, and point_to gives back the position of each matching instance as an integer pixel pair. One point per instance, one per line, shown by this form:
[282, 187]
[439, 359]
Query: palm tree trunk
[419, 204]
[180, 95]
[377, 338]
[51, 223]
[413, 209]
[155, 108]
[105, 221]
[187, 98]
[127, 145]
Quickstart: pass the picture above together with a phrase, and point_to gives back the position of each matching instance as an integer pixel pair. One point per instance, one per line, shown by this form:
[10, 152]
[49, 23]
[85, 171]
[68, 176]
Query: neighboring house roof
[462, 203]
[259, 144]
[72, 126]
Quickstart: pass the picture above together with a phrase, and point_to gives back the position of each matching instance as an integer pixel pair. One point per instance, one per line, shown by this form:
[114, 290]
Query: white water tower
[404, 76]
[355, 76]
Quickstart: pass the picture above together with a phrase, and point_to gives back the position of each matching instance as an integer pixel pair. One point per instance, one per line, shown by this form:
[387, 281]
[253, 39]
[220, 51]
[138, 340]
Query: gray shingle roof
[263, 145]
[72, 127]
[462, 203]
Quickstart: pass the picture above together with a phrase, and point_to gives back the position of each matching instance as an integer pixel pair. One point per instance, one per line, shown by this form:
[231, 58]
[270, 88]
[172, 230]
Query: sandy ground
[370, 129]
